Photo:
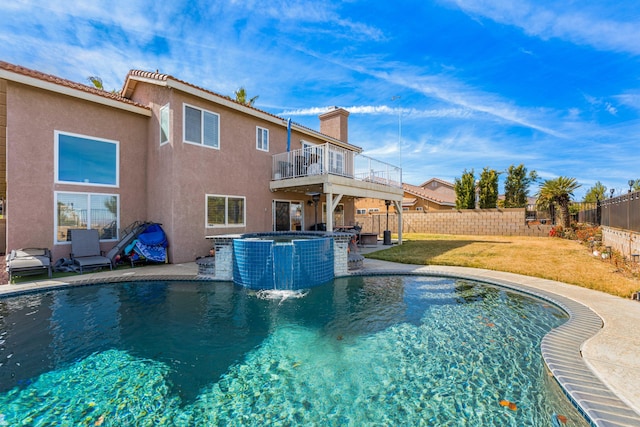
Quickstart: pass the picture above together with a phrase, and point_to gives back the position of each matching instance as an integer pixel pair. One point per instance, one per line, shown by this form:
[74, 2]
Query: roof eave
[173, 83]
[75, 93]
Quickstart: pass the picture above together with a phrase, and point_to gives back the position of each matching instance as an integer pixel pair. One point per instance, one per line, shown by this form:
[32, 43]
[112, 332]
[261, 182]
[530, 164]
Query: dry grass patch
[549, 258]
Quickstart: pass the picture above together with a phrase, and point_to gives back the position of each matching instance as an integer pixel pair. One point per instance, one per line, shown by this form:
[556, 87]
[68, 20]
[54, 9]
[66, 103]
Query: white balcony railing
[334, 160]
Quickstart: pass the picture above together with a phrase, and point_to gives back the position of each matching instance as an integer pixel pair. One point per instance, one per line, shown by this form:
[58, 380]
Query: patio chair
[28, 261]
[85, 250]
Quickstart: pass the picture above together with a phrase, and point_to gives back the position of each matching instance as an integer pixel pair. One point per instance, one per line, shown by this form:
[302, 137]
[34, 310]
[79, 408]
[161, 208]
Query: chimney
[334, 123]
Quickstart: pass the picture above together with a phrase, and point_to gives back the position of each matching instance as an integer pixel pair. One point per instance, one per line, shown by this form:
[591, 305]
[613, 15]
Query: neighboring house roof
[440, 198]
[167, 80]
[440, 181]
[50, 82]
[409, 202]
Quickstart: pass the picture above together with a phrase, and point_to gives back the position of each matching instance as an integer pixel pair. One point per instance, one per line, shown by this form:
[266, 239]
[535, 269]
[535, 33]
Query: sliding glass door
[287, 215]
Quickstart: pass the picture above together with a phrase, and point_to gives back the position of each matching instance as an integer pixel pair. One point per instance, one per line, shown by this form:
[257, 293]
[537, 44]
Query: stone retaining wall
[475, 222]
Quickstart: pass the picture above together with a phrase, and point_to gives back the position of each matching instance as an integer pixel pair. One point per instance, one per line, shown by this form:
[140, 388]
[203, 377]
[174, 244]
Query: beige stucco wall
[478, 222]
[3, 138]
[32, 117]
[166, 184]
[182, 174]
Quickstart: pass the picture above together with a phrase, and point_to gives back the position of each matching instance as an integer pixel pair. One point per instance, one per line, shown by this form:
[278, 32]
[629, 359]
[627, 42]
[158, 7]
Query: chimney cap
[333, 111]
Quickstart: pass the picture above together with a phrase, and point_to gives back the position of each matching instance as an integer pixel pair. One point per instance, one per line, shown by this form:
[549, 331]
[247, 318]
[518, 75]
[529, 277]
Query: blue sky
[552, 85]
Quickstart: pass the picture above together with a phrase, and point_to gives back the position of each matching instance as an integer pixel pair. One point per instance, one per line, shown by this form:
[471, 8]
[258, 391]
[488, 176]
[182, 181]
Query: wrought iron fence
[589, 213]
[622, 211]
[619, 212]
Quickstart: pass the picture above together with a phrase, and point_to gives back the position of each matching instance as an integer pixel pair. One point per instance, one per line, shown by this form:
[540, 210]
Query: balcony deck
[333, 170]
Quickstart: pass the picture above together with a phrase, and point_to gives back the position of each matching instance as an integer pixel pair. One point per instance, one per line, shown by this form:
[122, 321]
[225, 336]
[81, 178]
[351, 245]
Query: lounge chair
[29, 261]
[85, 250]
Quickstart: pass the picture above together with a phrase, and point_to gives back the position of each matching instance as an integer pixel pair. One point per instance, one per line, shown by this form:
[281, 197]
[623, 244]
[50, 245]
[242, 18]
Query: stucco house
[168, 151]
[432, 195]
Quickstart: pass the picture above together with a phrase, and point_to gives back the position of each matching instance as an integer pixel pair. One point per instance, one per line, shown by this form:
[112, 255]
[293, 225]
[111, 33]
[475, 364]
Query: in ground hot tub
[283, 262]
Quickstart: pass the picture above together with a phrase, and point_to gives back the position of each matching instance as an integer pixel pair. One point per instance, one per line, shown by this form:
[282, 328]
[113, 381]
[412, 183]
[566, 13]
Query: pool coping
[561, 351]
[586, 356]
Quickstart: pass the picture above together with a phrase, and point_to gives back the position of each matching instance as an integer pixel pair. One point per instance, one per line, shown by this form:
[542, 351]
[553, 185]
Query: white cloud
[610, 108]
[384, 110]
[562, 20]
[630, 99]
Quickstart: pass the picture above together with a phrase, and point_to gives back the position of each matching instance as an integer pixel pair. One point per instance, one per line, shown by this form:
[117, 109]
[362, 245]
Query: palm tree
[558, 191]
[96, 82]
[595, 193]
[241, 97]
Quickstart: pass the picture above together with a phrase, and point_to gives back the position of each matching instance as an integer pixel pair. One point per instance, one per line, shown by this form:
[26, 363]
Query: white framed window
[374, 210]
[201, 127]
[165, 129]
[336, 162]
[262, 139]
[420, 209]
[225, 211]
[86, 160]
[86, 211]
[361, 211]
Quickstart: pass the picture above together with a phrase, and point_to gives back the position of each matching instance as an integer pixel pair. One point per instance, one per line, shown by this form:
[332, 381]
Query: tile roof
[434, 196]
[441, 181]
[49, 78]
[123, 97]
[166, 77]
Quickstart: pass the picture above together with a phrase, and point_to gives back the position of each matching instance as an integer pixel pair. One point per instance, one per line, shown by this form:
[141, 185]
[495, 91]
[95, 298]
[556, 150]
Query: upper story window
[262, 139]
[86, 160]
[201, 127]
[164, 125]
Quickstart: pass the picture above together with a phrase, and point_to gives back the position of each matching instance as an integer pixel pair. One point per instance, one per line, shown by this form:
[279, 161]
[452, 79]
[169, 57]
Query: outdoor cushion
[28, 260]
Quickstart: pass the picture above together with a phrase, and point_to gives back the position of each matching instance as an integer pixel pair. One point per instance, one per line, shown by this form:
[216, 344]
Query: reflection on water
[412, 345]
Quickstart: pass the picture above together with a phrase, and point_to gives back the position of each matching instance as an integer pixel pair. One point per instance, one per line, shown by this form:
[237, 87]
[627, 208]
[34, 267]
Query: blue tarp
[151, 244]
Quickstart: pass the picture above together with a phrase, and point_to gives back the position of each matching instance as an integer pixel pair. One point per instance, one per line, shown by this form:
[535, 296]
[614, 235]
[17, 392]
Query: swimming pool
[379, 350]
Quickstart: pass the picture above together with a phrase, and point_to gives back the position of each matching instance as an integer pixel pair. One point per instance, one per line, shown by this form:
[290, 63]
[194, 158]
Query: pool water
[360, 351]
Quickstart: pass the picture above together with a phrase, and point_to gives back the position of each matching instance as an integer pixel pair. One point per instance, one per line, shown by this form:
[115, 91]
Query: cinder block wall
[624, 241]
[476, 222]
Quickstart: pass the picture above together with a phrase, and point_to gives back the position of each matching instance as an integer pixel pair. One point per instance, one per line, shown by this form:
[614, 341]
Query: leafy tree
[595, 193]
[516, 186]
[465, 190]
[241, 97]
[636, 185]
[488, 188]
[558, 191]
[111, 204]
